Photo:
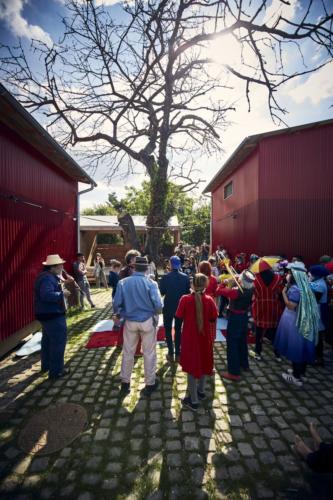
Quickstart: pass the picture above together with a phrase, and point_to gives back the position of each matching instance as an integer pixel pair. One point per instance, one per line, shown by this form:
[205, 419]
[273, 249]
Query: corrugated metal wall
[27, 233]
[235, 220]
[296, 193]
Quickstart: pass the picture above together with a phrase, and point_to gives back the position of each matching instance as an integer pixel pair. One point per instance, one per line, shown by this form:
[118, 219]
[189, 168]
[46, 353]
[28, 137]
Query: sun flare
[225, 50]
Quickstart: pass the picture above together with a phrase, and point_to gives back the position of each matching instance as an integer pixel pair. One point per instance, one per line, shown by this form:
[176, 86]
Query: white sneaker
[303, 377]
[258, 357]
[290, 379]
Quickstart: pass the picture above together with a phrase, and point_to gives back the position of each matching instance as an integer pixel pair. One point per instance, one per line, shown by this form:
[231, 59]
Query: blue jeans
[54, 340]
[237, 352]
[167, 321]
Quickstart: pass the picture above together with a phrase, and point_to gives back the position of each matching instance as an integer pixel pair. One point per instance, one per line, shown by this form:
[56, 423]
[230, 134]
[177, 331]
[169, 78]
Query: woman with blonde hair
[198, 312]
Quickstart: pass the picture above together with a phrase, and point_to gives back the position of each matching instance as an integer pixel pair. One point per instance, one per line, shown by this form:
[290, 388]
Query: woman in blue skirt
[297, 333]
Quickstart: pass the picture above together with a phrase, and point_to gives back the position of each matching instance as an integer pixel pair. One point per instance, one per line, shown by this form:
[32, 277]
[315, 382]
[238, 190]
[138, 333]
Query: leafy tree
[137, 200]
[196, 224]
[100, 209]
[193, 213]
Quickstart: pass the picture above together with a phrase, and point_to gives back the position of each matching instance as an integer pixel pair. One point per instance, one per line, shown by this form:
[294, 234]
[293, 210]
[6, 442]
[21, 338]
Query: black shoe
[188, 403]
[125, 388]
[64, 373]
[93, 306]
[202, 396]
[149, 389]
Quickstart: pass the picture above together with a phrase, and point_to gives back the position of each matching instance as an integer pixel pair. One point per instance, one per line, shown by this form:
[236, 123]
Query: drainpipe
[92, 186]
[210, 197]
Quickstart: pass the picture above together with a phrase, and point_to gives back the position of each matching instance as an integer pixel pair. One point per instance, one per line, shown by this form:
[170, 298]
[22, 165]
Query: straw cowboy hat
[53, 260]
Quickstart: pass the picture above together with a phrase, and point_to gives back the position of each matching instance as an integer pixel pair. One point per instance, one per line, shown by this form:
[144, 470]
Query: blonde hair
[199, 284]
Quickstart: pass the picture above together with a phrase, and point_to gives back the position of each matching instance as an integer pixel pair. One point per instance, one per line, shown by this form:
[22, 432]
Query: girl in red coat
[198, 312]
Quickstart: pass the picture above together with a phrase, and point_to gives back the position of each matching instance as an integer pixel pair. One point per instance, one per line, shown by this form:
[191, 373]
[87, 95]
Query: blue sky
[308, 99]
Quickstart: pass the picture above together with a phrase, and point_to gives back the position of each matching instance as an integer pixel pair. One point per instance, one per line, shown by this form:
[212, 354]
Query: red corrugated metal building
[38, 212]
[274, 195]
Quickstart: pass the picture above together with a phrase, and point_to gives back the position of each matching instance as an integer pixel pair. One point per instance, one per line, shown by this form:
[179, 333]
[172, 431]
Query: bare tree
[140, 92]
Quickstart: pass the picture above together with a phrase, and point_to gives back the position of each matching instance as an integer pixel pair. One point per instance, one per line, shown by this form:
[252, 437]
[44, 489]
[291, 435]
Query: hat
[248, 276]
[53, 260]
[329, 267]
[324, 259]
[318, 271]
[296, 266]
[175, 262]
[141, 264]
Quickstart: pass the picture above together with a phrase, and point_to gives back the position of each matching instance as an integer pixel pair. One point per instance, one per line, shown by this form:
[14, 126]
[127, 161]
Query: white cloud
[278, 8]
[108, 3]
[317, 87]
[11, 14]
[99, 195]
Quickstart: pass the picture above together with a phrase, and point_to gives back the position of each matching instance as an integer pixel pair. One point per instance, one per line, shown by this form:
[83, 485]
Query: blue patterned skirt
[290, 343]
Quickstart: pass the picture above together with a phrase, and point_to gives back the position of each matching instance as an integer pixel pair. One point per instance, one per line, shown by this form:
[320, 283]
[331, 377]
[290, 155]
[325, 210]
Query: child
[114, 275]
[187, 268]
[215, 271]
[239, 305]
[198, 312]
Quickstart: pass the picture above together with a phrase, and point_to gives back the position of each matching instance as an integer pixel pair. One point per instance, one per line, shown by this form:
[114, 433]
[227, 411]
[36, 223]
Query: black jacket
[173, 286]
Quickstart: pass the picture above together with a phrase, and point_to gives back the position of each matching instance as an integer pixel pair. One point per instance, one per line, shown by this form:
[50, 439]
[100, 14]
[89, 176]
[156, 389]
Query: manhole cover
[52, 429]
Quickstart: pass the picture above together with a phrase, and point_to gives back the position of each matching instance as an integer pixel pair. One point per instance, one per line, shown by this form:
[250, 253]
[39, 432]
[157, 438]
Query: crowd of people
[280, 301]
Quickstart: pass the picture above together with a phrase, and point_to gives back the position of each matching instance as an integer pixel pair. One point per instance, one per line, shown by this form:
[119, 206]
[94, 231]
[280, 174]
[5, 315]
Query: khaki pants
[133, 331]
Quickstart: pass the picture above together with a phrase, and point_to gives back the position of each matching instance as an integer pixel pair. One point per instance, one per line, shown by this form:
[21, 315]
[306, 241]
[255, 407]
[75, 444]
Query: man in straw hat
[137, 300]
[50, 310]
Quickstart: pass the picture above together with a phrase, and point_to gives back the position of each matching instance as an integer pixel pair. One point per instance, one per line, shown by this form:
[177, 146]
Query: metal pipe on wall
[92, 186]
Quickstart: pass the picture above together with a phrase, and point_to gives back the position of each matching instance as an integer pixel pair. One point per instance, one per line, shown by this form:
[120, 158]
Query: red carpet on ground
[114, 338]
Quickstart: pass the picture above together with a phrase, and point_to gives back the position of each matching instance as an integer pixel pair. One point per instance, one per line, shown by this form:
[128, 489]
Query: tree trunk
[156, 220]
[130, 237]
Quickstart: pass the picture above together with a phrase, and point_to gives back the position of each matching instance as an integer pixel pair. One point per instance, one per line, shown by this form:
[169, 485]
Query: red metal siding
[28, 233]
[296, 193]
[235, 220]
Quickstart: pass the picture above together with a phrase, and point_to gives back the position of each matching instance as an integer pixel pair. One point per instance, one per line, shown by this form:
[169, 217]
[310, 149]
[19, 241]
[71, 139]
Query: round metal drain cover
[52, 429]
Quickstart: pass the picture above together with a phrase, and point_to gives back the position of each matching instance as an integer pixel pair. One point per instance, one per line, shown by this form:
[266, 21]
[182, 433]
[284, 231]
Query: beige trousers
[133, 331]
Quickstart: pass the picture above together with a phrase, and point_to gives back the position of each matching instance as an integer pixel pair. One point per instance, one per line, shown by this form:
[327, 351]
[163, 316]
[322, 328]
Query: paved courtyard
[237, 446]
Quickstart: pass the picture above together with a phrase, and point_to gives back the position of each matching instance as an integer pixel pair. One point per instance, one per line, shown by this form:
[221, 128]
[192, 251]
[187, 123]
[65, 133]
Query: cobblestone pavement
[239, 445]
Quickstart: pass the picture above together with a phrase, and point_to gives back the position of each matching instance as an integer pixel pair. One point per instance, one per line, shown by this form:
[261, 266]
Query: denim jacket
[49, 297]
[137, 298]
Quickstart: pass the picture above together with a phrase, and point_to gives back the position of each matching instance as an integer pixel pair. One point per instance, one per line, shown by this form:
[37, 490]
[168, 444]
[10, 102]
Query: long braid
[199, 284]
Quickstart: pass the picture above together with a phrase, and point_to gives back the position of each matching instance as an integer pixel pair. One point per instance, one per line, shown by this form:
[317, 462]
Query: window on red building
[228, 190]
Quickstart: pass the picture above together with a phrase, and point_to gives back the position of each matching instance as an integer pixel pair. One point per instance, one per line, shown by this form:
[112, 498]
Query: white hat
[53, 260]
[248, 276]
[297, 266]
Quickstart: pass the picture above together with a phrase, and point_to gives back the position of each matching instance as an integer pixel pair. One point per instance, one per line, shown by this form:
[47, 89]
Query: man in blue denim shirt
[50, 310]
[137, 300]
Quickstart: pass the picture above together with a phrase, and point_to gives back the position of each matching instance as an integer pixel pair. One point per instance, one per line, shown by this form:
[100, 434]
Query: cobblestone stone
[245, 449]
[39, 464]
